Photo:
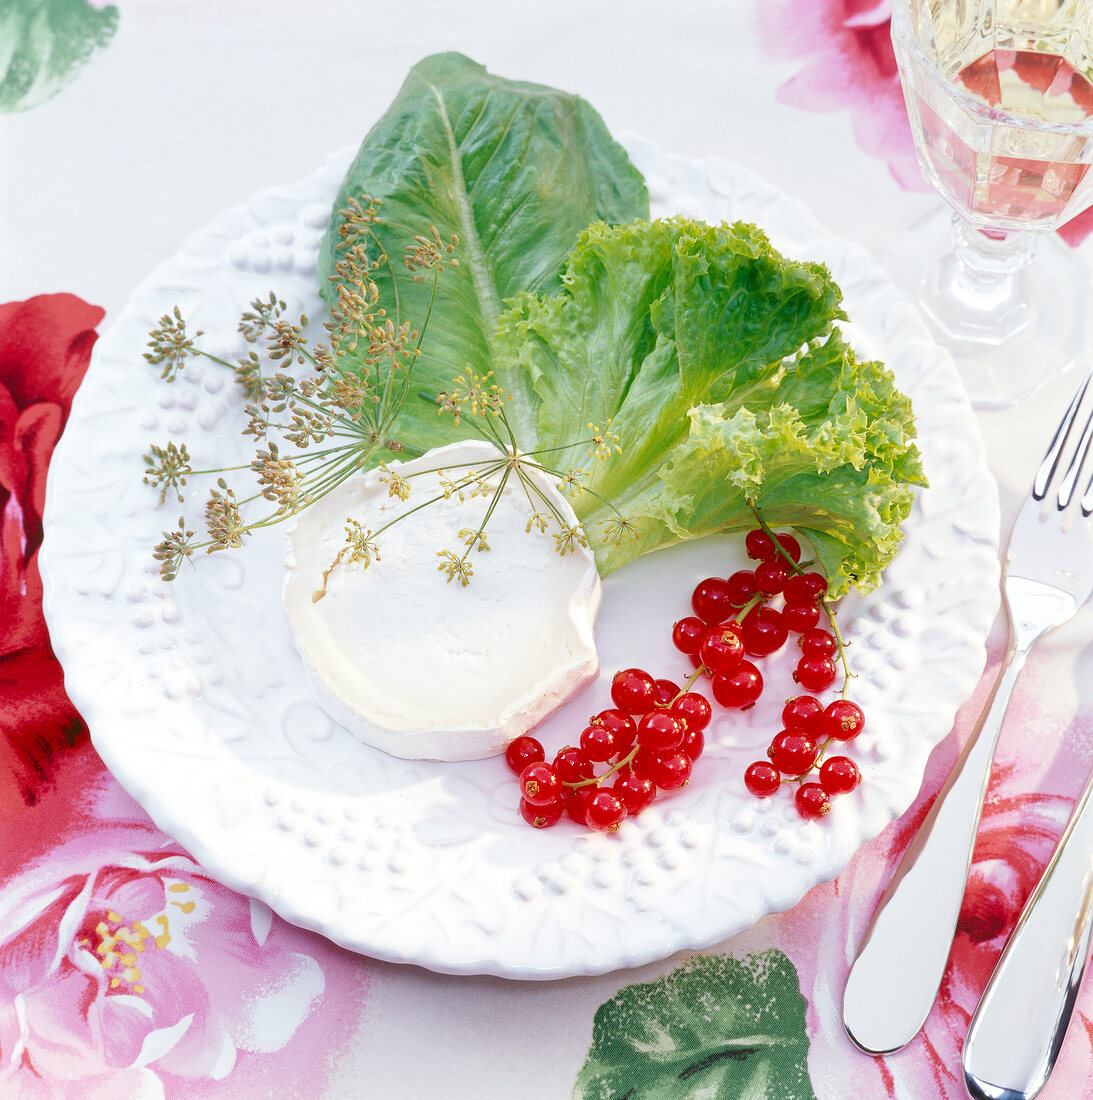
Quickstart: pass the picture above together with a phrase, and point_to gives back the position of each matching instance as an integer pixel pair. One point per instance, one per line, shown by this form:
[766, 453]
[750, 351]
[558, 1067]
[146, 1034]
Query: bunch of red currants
[648, 742]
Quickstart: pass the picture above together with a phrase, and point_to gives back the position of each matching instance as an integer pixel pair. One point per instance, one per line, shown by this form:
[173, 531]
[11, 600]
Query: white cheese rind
[430, 670]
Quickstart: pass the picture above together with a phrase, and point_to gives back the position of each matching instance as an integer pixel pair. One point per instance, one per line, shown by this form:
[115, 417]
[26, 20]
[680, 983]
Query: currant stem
[690, 683]
[823, 601]
[596, 780]
[847, 674]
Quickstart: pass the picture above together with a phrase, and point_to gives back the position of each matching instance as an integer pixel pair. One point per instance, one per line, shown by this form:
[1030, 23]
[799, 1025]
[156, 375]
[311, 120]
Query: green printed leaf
[516, 170]
[44, 44]
[717, 1028]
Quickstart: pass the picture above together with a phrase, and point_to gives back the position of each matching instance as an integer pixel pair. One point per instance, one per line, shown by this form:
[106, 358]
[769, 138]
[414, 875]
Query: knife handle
[1024, 1012]
[895, 978]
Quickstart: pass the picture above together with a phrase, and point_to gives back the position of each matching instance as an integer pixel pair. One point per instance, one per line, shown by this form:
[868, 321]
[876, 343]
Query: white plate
[196, 699]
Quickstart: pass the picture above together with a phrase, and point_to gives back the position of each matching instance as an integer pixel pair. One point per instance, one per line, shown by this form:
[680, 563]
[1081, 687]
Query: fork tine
[1051, 460]
[1066, 488]
[1086, 503]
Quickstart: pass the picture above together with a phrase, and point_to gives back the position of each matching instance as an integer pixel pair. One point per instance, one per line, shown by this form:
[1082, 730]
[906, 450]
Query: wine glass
[1000, 98]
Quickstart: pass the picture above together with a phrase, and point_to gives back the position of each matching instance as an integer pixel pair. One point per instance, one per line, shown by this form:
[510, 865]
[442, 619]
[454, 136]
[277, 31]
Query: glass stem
[986, 264]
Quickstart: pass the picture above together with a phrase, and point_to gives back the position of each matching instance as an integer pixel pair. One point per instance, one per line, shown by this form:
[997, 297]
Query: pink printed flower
[822, 935]
[123, 966]
[848, 65]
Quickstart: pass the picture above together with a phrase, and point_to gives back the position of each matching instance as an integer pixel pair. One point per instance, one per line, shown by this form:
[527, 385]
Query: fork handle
[1023, 1015]
[895, 978]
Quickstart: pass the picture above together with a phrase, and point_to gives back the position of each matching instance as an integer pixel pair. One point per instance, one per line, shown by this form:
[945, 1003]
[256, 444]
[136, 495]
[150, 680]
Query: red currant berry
[688, 633]
[740, 688]
[770, 576]
[793, 752]
[721, 649]
[619, 722]
[634, 691]
[572, 765]
[710, 600]
[667, 690]
[804, 714]
[791, 546]
[805, 588]
[839, 775]
[541, 817]
[671, 771]
[693, 710]
[843, 720]
[635, 791]
[759, 545]
[540, 784]
[599, 743]
[812, 801]
[575, 801]
[800, 617]
[694, 741]
[605, 811]
[764, 632]
[659, 732]
[815, 673]
[818, 643]
[643, 761]
[742, 587]
[523, 751]
[762, 779]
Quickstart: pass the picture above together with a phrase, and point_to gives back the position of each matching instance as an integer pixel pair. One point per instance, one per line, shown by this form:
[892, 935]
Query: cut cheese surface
[421, 667]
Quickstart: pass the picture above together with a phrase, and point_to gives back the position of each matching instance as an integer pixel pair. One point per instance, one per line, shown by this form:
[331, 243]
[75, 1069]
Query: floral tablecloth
[125, 970]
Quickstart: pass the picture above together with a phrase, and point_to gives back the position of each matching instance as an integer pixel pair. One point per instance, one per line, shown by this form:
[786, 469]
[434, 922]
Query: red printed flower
[45, 347]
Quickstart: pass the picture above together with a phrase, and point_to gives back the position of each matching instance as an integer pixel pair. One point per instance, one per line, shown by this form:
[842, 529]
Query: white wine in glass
[1000, 99]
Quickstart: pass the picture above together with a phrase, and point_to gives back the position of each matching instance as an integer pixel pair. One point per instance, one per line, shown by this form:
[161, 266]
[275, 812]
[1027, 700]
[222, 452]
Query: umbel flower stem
[341, 419]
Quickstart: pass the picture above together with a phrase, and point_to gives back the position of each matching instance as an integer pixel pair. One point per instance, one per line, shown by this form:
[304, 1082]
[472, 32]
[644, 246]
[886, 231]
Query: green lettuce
[516, 170]
[718, 362]
[720, 366]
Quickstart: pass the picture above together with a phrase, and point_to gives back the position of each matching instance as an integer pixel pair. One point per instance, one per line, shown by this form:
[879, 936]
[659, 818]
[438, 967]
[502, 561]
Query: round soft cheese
[421, 667]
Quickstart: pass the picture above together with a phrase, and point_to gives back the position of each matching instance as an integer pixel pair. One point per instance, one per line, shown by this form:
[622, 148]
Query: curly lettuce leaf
[516, 170]
[719, 364]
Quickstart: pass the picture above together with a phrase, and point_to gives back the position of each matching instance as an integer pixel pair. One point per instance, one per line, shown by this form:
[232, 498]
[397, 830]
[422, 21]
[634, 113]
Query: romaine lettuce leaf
[720, 365]
[516, 170]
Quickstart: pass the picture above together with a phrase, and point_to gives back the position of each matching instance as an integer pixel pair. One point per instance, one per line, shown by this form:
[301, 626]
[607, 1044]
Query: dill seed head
[430, 253]
[261, 314]
[457, 568]
[618, 528]
[568, 538]
[170, 345]
[397, 486]
[167, 468]
[223, 520]
[173, 550]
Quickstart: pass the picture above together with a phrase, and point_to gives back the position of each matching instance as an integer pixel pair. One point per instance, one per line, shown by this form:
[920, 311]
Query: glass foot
[1010, 334]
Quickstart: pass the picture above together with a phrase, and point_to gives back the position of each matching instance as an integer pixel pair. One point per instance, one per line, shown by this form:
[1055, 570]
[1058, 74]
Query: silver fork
[1048, 575]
